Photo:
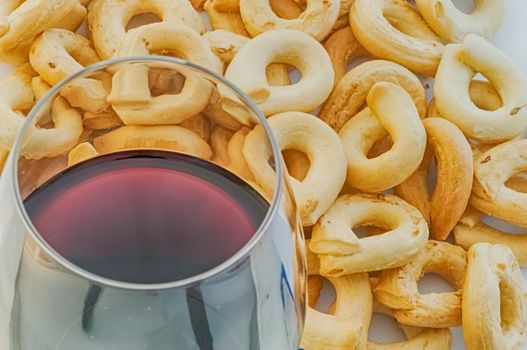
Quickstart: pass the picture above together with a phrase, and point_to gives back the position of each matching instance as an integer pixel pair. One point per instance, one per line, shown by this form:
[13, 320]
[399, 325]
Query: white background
[512, 39]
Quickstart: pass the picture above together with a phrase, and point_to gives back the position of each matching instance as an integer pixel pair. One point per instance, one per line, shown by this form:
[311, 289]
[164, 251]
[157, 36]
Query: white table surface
[512, 39]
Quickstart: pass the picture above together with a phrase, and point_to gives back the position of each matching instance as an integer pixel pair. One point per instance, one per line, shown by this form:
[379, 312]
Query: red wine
[146, 216]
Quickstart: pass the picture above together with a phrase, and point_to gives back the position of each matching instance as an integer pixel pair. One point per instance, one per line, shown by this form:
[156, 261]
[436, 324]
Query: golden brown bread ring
[467, 236]
[494, 309]
[131, 97]
[454, 25]
[168, 137]
[349, 95]
[390, 111]
[341, 252]
[31, 18]
[107, 19]
[343, 47]
[347, 326]
[398, 290]
[454, 178]
[310, 135]
[490, 194]
[4, 153]
[316, 20]
[459, 64]
[57, 54]
[230, 21]
[420, 50]
[288, 9]
[81, 152]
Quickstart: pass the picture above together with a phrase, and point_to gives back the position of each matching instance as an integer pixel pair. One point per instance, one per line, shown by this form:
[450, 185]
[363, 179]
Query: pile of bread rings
[349, 137]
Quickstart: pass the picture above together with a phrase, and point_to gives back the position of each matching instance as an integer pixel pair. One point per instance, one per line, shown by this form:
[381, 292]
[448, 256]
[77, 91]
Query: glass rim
[186, 282]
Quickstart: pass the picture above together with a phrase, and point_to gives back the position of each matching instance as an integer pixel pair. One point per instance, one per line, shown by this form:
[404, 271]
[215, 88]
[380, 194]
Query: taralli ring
[420, 53]
[454, 178]
[490, 194]
[390, 111]
[288, 47]
[33, 17]
[349, 95]
[108, 19]
[131, 97]
[398, 290]
[454, 25]
[317, 19]
[494, 309]
[457, 68]
[310, 135]
[347, 326]
[342, 47]
[168, 137]
[341, 252]
[230, 21]
[57, 54]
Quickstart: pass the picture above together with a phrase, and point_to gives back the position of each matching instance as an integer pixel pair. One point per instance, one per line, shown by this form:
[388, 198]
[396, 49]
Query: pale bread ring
[228, 151]
[306, 133]
[346, 326]
[458, 66]
[494, 309]
[317, 19]
[398, 290]
[467, 236]
[343, 47]
[230, 21]
[454, 25]
[417, 338]
[168, 137]
[131, 97]
[281, 46]
[391, 110]
[107, 19]
[31, 18]
[349, 95]
[490, 194]
[57, 54]
[341, 252]
[455, 170]
[419, 51]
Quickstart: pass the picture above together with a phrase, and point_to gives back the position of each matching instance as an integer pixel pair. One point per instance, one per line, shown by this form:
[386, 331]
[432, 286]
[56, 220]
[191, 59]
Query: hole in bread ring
[317, 19]
[454, 178]
[342, 47]
[310, 135]
[108, 19]
[460, 63]
[349, 95]
[417, 338]
[454, 25]
[289, 47]
[342, 252]
[33, 17]
[491, 171]
[57, 54]
[166, 137]
[398, 288]
[369, 20]
[390, 108]
[131, 97]
[493, 282]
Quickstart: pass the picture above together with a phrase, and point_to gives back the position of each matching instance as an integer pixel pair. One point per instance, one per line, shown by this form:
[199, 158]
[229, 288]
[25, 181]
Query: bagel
[107, 19]
[397, 288]
[131, 97]
[494, 309]
[341, 252]
[454, 25]
[389, 108]
[459, 64]
[310, 135]
[419, 49]
[349, 95]
[454, 178]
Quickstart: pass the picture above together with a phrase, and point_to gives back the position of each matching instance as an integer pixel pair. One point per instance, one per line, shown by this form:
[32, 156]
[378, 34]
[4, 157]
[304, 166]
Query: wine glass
[63, 281]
